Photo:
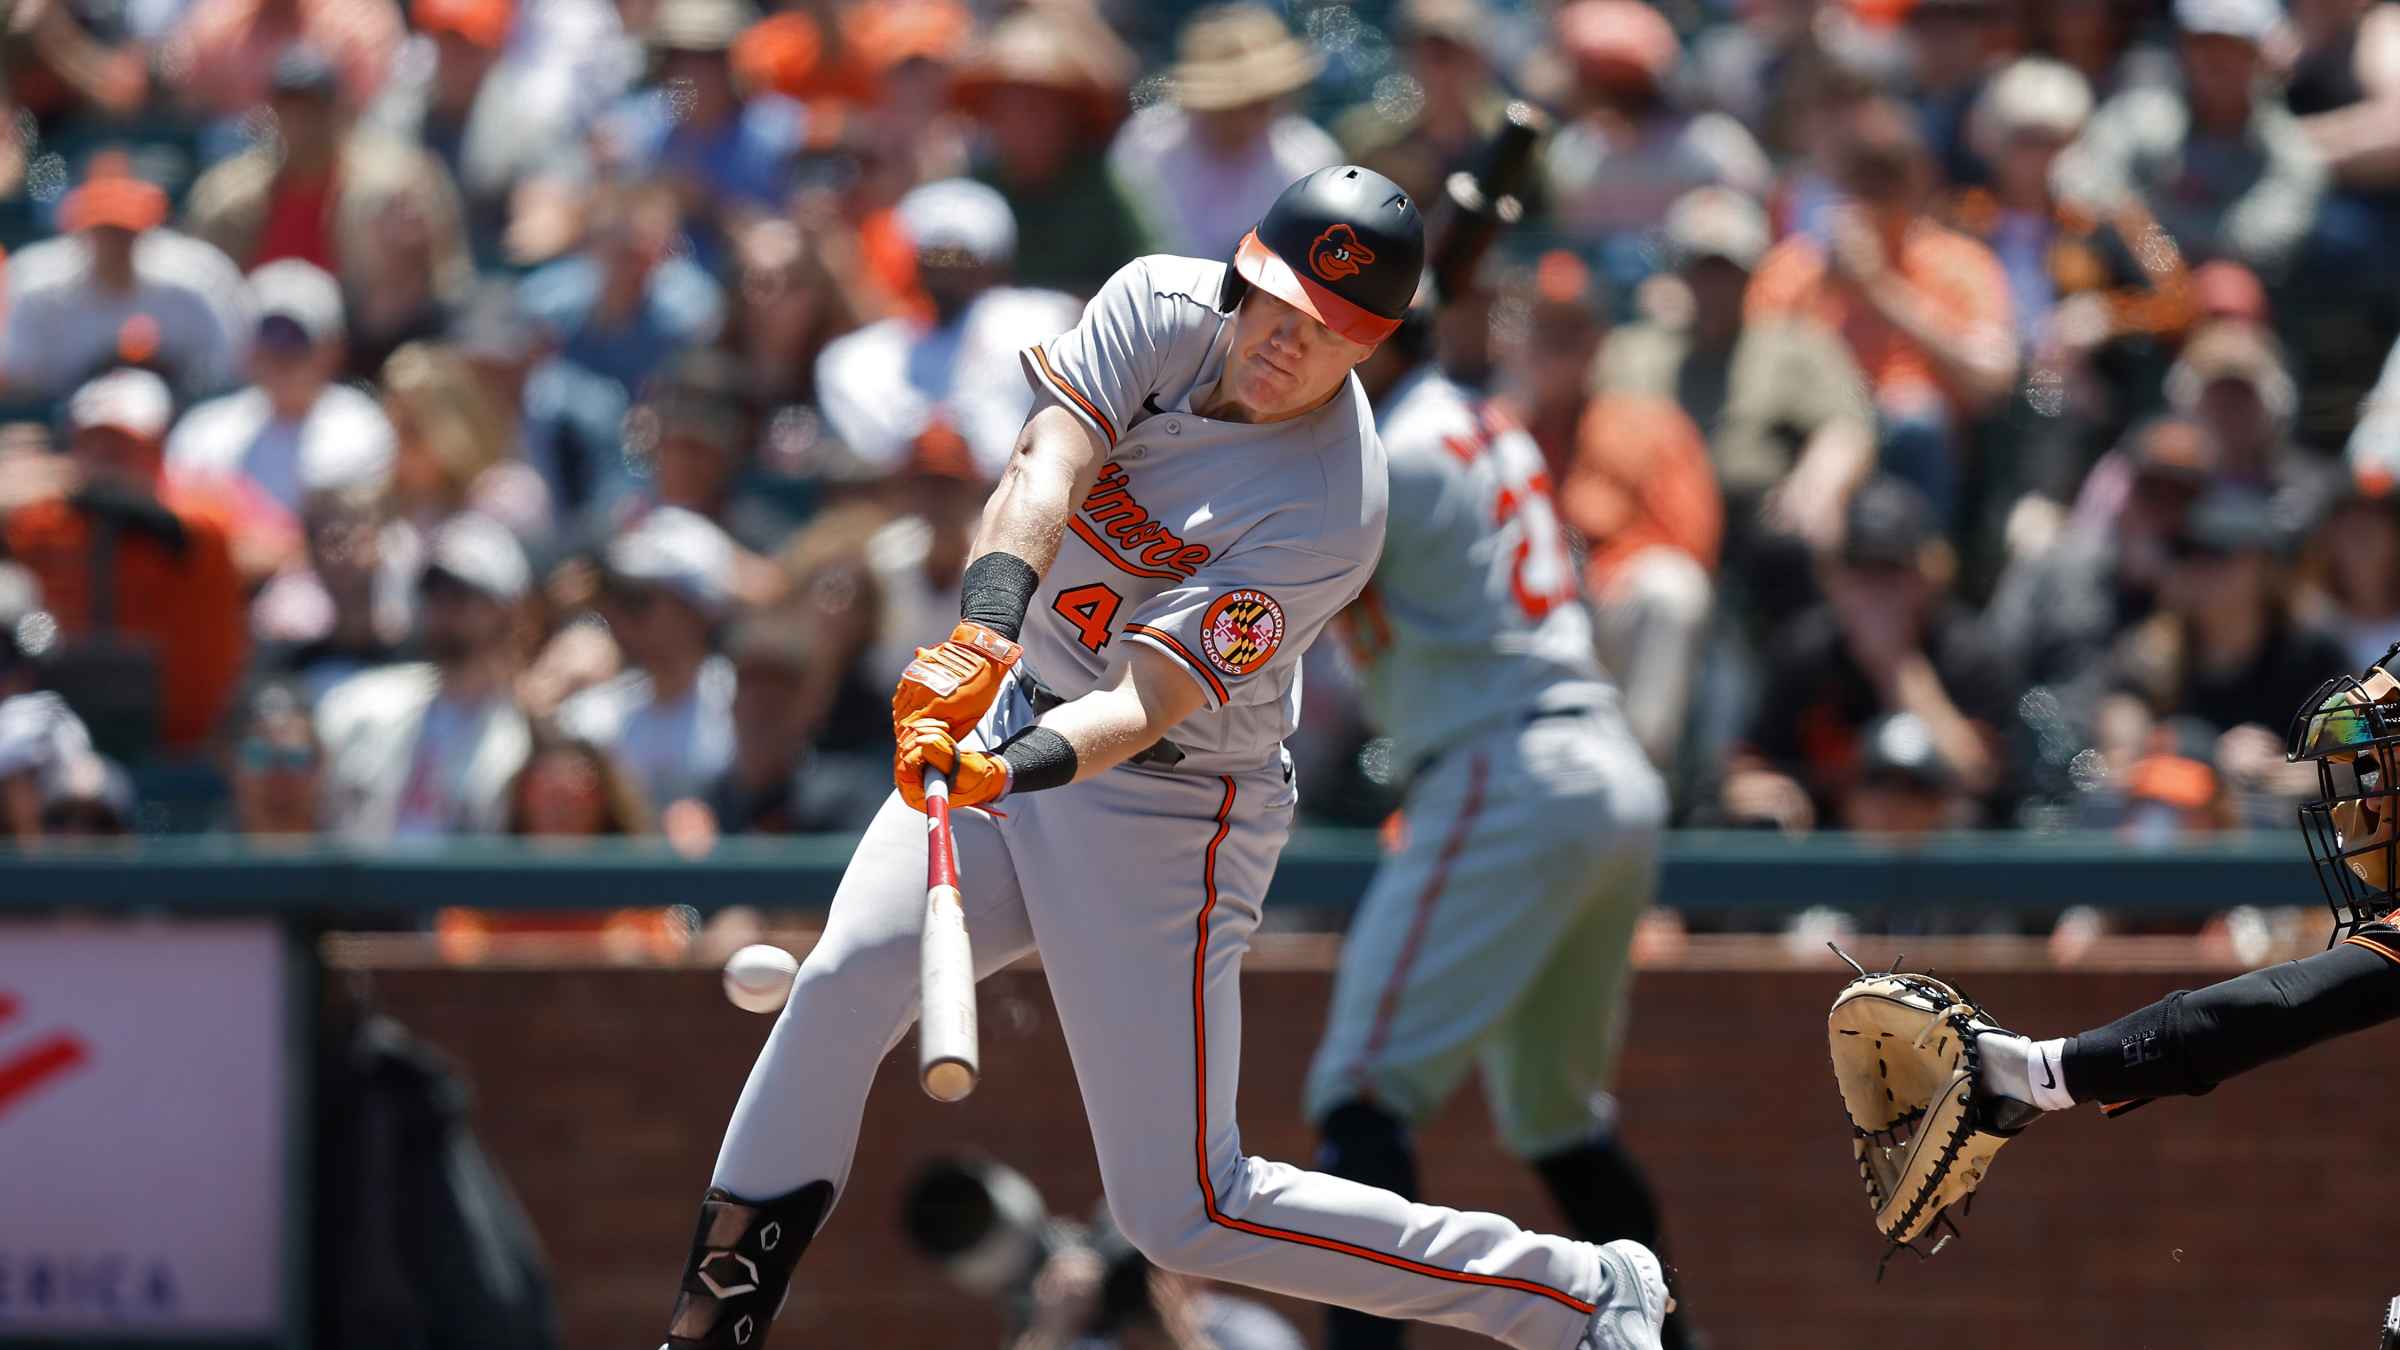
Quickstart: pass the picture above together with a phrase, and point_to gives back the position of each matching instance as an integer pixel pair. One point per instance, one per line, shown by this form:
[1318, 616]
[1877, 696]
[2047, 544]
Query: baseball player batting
[1197, 492]
[1496, 934]
[1993, 1083]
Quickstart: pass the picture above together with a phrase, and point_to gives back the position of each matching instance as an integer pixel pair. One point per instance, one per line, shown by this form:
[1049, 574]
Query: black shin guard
[1604, 1195]
[2191, 1040]
[741, 1267]
[1369, 1145]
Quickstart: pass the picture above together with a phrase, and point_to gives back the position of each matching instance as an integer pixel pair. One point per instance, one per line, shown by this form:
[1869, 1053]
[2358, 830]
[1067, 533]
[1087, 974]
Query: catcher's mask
[2351, 728]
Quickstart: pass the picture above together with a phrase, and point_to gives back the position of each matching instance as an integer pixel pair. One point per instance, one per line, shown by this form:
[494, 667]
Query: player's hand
[975, 777]
[953, 683]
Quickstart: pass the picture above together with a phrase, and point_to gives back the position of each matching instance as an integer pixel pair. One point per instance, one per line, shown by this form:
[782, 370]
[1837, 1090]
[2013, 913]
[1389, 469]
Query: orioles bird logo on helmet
[1337, 253]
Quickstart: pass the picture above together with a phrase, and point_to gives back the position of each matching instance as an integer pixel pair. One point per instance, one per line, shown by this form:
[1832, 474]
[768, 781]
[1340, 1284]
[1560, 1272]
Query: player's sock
[1604, 1195]
[741, 1265]
[2023, 1069]
[1362, 1142]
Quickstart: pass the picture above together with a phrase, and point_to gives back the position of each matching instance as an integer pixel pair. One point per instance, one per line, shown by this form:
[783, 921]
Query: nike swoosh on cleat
[2049, 1080]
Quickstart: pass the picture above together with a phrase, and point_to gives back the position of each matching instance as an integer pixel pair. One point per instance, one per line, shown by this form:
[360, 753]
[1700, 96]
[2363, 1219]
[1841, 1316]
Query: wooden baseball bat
[947, 1046]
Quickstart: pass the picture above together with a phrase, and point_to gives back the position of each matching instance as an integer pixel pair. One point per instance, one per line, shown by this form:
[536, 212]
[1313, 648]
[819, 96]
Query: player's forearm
[1109, 726]
[2192, 1040]
[1055, 461]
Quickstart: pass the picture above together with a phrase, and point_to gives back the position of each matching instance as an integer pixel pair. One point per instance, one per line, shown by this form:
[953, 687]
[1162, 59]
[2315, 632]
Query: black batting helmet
[1343, 245]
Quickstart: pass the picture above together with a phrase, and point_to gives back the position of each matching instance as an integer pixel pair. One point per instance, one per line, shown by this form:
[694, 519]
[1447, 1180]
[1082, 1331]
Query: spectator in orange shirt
[1643, 496]
[140, 577]
[1924, 309]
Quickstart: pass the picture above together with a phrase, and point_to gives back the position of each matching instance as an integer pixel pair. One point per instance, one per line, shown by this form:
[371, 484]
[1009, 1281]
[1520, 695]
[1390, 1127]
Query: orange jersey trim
[1091, 409]
[1167, 640]
[1208, 1190]
[1087, 534]
[2372, 945]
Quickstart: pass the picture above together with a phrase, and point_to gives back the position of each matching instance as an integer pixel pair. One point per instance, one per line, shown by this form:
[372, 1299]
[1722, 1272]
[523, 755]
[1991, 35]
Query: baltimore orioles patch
[1241, 630]
[1338, 253]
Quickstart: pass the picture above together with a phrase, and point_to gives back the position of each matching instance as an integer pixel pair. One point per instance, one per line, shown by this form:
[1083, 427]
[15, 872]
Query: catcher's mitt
[1924, 1133]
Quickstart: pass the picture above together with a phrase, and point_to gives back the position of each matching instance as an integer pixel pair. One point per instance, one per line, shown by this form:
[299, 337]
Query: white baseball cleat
[1632, 1300]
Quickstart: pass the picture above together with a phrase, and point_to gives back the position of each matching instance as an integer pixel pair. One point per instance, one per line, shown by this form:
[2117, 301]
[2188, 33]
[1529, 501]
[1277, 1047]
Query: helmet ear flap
[1231, 290]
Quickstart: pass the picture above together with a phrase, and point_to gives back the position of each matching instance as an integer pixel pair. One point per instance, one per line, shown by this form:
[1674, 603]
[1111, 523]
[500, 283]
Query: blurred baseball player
[2191, 1040]
[1496, 932]
[1198, 491]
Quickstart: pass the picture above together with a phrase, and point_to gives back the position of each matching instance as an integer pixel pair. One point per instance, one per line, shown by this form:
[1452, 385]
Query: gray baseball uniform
[1498, 929]
[1228, 547]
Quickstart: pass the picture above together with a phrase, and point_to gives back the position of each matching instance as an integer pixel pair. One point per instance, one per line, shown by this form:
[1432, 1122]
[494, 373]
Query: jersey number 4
[1089, 610]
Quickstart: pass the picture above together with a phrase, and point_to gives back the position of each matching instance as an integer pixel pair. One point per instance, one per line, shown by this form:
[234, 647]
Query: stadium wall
[2264, 1215]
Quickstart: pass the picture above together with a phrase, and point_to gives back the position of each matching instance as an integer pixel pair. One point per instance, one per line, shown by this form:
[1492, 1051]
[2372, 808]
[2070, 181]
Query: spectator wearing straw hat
[1047, 93]
[120, 285]
[1206, 164]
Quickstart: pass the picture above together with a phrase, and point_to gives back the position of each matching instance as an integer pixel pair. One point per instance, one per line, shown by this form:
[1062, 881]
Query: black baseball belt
[1525, 719]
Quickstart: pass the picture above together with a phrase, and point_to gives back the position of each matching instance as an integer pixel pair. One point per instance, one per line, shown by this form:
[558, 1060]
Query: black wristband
[995, 592]
[1038, 758]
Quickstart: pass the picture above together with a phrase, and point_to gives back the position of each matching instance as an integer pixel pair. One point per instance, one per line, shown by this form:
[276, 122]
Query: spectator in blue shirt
[629, 301]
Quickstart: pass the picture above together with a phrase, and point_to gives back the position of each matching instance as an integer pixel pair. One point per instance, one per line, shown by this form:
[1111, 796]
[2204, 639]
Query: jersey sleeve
[1102, 368]
[1238, 626]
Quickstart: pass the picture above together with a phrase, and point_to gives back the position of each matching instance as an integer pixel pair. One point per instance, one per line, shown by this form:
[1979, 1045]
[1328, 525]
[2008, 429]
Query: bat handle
[941, 860]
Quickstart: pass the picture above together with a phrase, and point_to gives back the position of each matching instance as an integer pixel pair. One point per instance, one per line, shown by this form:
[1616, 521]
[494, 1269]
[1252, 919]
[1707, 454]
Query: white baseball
[758, 978]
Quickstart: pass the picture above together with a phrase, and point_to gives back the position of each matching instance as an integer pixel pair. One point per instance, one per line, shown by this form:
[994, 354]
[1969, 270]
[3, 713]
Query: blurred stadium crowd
[563, 417]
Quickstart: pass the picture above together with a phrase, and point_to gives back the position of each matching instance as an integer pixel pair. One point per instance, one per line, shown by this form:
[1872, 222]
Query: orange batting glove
[953, 683]
[975, 777]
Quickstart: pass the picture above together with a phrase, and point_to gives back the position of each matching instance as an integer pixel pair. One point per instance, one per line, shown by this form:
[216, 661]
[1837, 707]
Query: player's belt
[1161, 754]
[1531, 716]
